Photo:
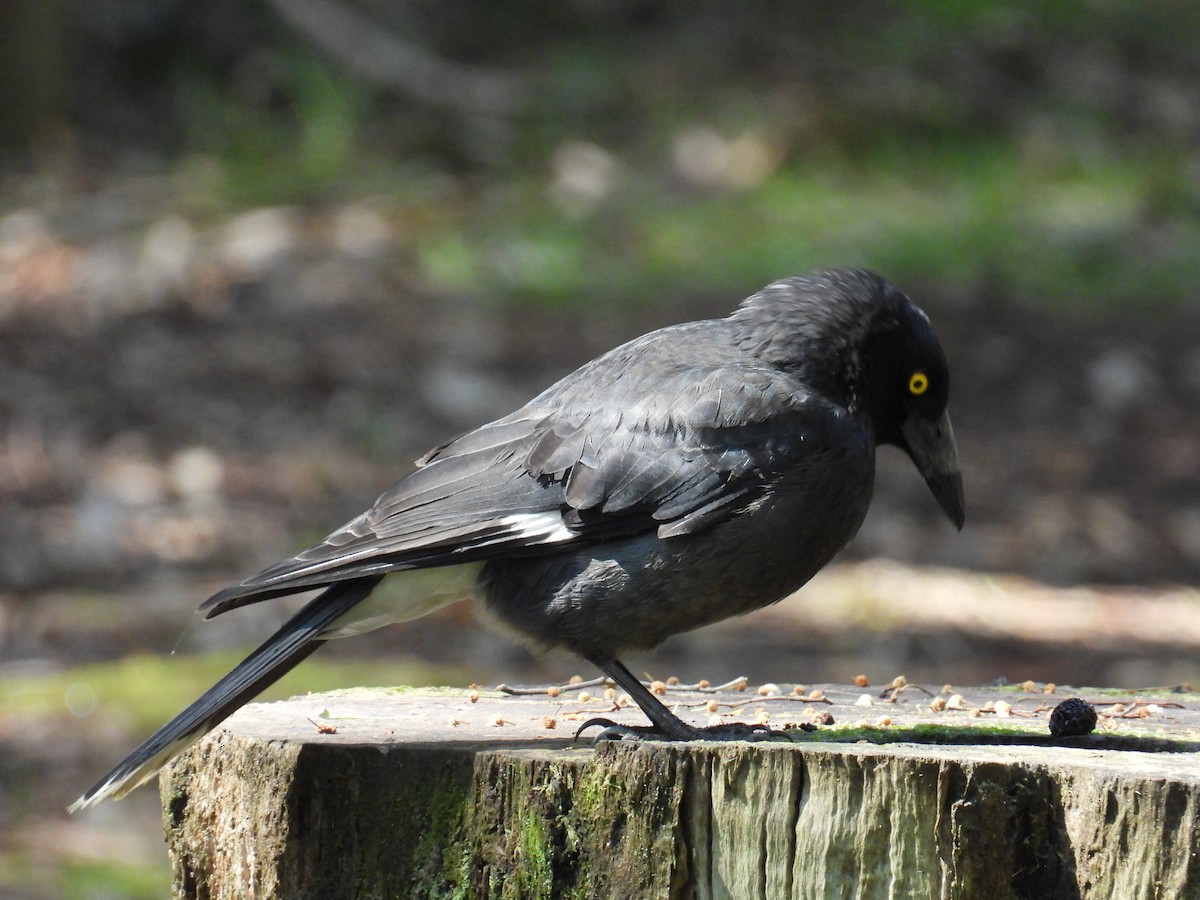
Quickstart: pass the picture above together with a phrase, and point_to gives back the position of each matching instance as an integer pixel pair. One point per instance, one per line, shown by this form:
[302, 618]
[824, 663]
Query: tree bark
[422, 794]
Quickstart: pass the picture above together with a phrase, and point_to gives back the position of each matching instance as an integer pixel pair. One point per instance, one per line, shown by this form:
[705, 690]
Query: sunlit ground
[60, 728]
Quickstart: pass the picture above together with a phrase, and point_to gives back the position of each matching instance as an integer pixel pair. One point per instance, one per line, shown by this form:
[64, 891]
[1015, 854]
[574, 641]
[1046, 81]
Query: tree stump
[427, 793]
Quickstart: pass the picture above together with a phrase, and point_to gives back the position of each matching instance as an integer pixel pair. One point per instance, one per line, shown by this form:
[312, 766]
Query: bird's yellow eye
[918, 384]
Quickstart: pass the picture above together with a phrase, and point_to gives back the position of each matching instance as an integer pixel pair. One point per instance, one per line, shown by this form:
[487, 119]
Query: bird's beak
[931, 446]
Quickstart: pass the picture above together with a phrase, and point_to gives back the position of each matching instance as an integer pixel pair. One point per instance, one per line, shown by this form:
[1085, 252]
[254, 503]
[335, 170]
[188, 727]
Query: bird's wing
[685, 455]
[675, 457]
[473, 501]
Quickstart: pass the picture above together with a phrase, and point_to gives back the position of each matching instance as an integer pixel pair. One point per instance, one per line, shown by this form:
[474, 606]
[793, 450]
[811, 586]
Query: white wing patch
[538, 528]
[518, 529]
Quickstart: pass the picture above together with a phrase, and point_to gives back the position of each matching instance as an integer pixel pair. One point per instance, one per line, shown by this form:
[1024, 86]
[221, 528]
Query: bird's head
[856, 337]
[904, 383]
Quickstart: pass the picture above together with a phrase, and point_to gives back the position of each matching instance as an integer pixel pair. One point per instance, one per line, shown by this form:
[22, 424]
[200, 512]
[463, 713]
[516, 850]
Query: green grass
[79, 880]
[1075, 221]
[312, 151]
[975, 218]
[142, 691]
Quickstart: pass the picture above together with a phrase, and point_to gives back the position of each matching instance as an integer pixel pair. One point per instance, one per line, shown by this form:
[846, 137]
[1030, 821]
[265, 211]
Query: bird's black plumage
[694, 473]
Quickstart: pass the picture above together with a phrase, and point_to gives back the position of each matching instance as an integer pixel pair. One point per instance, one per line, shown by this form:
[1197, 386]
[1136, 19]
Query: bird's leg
[666, 726]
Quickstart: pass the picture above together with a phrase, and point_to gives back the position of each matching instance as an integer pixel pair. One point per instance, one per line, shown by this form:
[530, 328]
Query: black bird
[695, 473]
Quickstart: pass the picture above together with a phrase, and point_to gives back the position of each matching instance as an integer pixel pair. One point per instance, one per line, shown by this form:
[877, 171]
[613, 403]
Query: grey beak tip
[948, 490]
[957, 515]
[931, 446]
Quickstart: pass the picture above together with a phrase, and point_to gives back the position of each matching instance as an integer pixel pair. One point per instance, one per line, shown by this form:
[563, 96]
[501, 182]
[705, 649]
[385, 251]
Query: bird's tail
[294, 641]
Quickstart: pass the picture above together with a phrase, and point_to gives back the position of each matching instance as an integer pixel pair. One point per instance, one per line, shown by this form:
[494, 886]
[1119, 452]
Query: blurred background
[256, 258]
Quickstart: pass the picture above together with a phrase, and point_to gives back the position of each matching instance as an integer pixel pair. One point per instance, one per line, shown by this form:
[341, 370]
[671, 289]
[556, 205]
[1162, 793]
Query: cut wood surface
[431, 793]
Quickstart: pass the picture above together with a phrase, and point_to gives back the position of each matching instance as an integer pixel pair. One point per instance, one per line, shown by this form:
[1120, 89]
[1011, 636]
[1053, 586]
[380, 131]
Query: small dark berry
[1072, 718]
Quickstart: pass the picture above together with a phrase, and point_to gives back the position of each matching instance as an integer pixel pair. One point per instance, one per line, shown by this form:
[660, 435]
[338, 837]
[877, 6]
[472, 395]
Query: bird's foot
[727, 731]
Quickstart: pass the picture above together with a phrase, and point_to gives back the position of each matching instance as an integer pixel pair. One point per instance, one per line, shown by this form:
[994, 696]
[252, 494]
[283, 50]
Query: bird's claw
[612, 731]
[742, 731]
[727, 731]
